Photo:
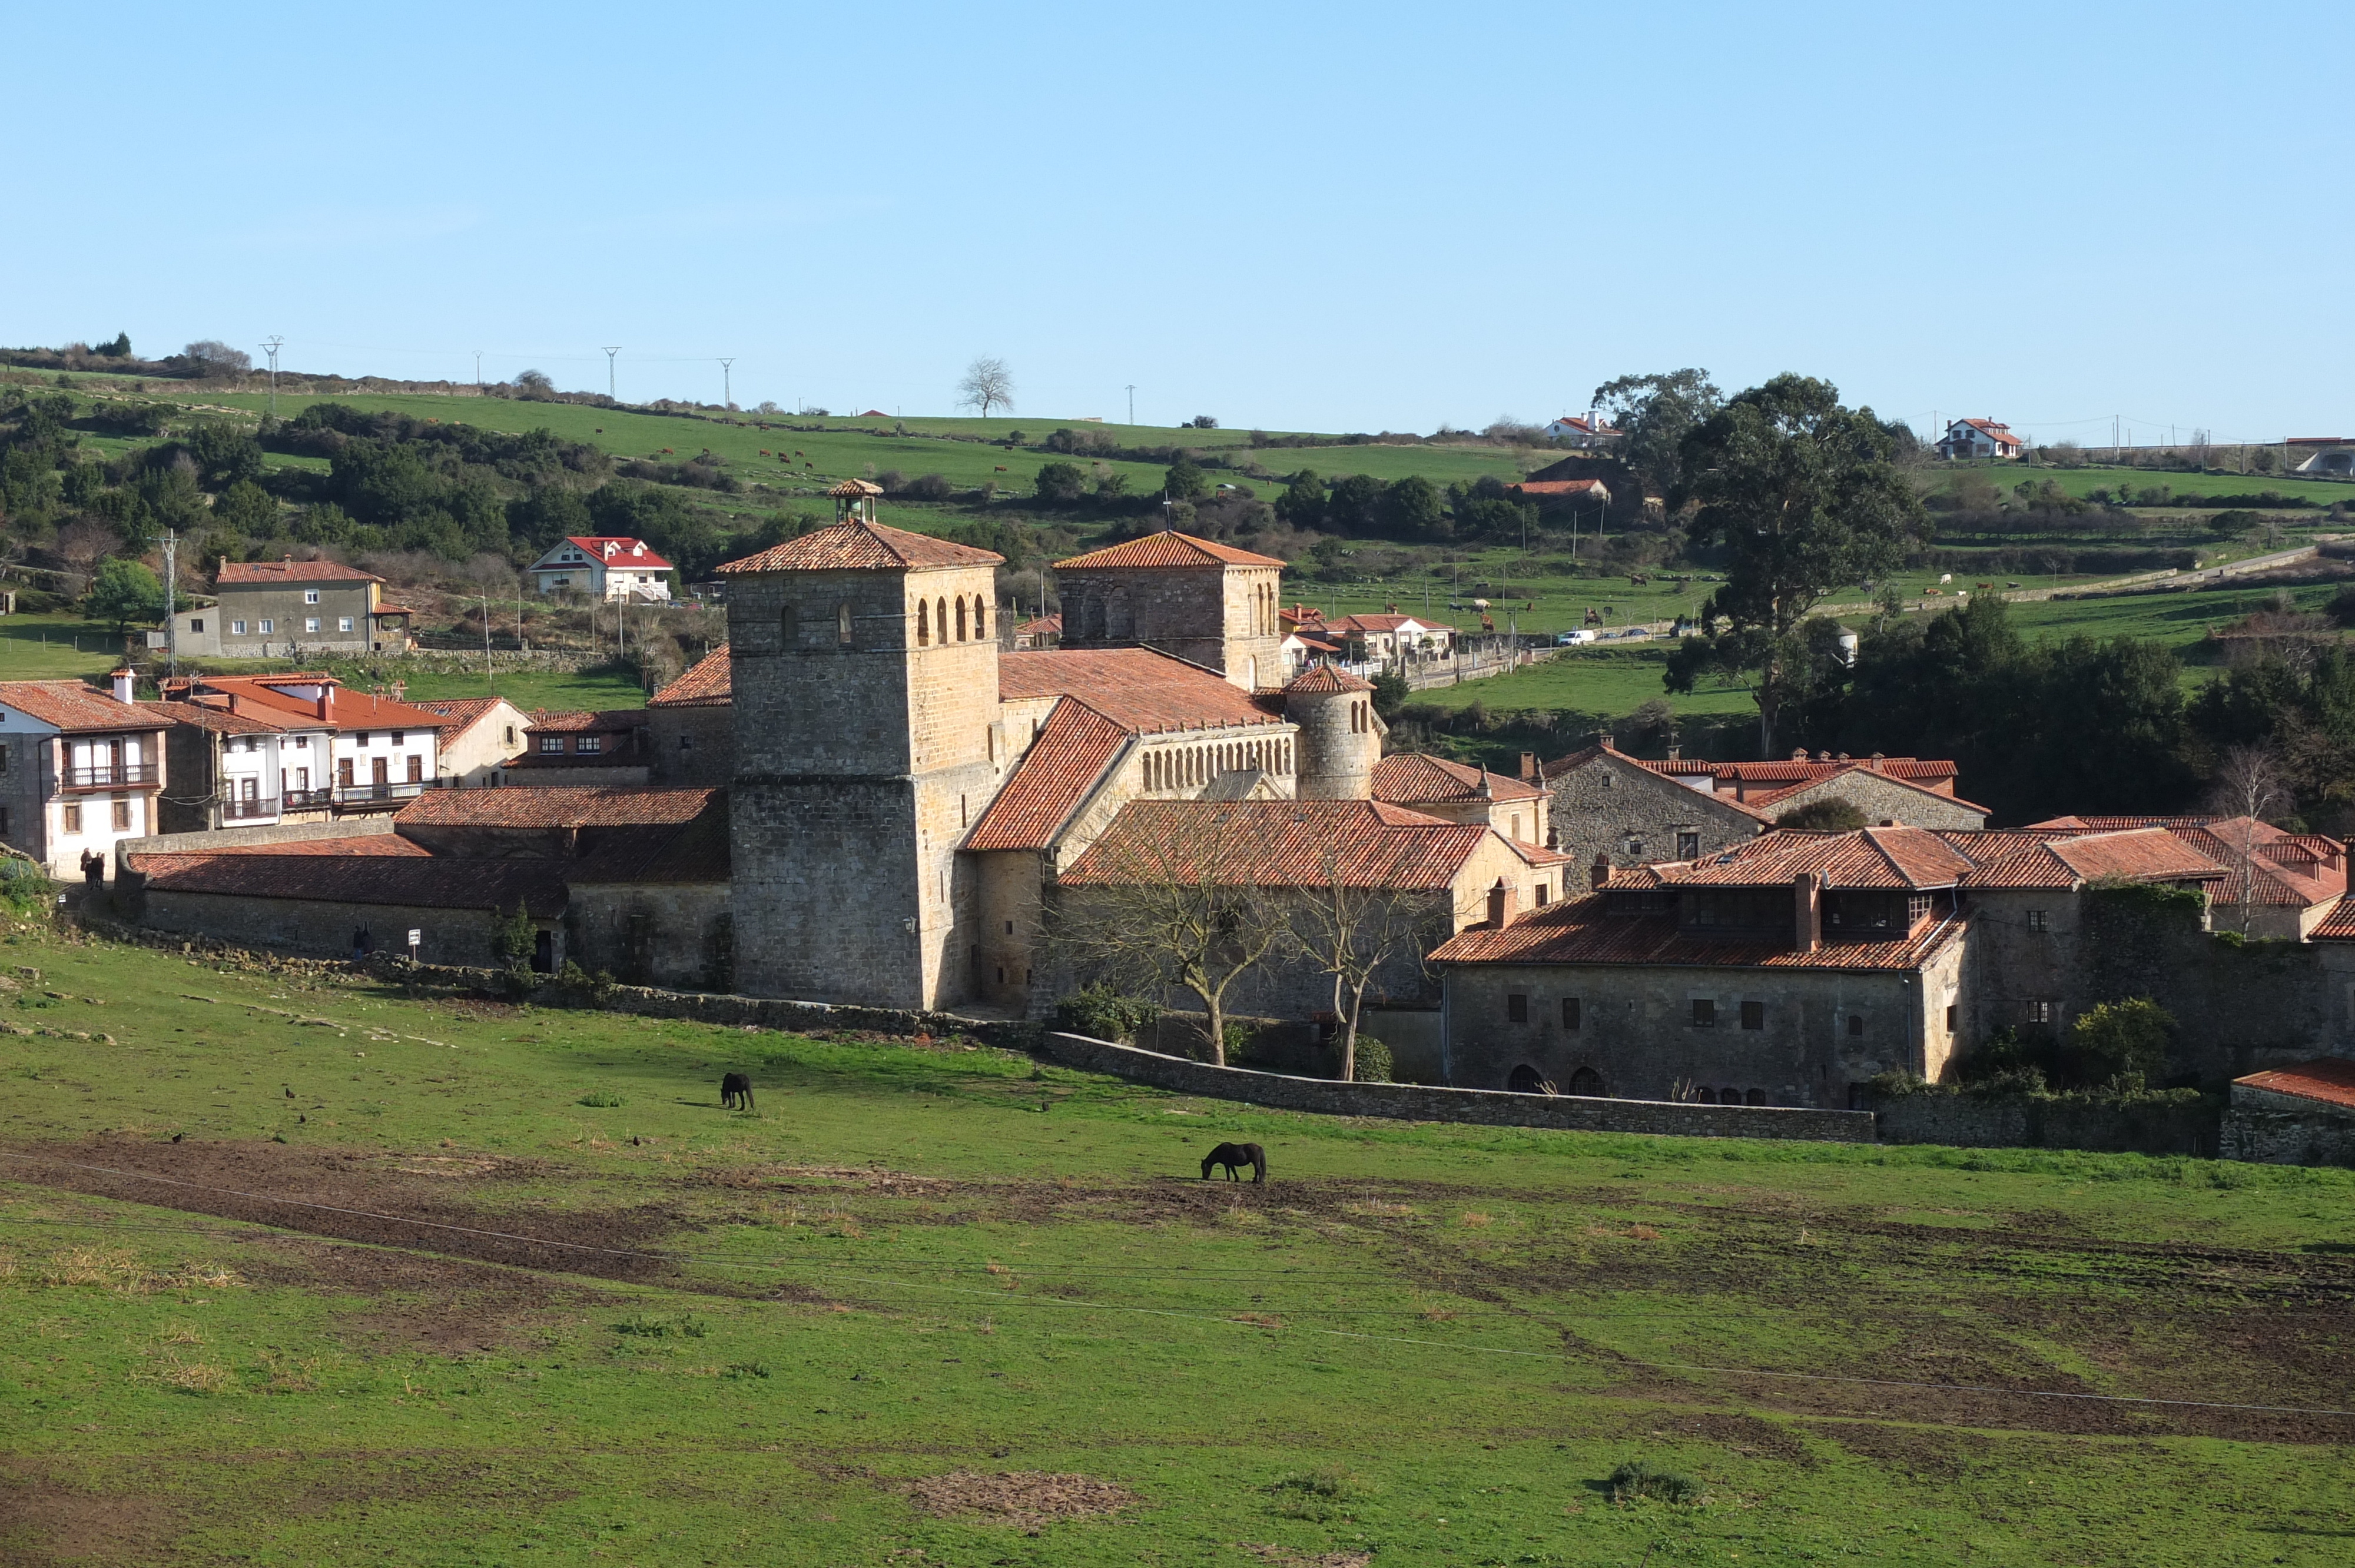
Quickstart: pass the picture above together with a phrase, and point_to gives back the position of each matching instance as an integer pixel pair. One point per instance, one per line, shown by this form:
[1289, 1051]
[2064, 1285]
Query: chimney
[1799, 754]
[328, 699]
[1808, 911]
[1500, 906]
[1528, 767]
[1676, 752]
[124, 680]
[1876, 758]
[1485, 792]
[1600, 872]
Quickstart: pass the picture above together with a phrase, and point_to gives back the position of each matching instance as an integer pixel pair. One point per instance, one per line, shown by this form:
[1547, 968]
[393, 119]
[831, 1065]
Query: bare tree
[987, 384]
[2248, 789]
[1355, 931]
[82, 544]
[1166, 899]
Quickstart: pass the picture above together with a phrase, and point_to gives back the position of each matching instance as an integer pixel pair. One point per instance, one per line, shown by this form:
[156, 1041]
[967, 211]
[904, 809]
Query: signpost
[415, 937]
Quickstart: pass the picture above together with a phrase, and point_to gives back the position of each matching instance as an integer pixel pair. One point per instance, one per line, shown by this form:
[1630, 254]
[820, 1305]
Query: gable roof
[75, 708]
[1166, 548]
[628, 552]
[2027, 858]
[710, 684]
[558, 806]
[1668, 773]
[1559, 486]
[863, 546]
[1583, 930]
[1774, 798]
[261, 697]
[582, 721]
[1407, 778]
[1323, 679]
[1912, 859]
[467, 711]
[2331, 1079]
[2288, 869]
[1138, 688]
[220, 721]
[1060, 770]
[252, 574]
[1279, 844]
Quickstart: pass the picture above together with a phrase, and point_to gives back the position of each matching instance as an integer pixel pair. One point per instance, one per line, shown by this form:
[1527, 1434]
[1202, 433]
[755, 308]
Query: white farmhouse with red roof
[603, 567]
[1583, 430]
[1980, 439]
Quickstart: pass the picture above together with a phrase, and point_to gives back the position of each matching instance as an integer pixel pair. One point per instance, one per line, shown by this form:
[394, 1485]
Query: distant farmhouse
[1980, 439]
[1588, 431]
[603, 567]
[288, 608]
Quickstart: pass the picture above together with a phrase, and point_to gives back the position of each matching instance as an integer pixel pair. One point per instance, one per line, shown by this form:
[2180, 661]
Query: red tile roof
[708, 684]
[1319, 680]
[1136, 688]
[468, 711]
[2331, 1079]
[2285, 869]
[2338, 926]
[1412, 777]
[558, 806]
[1797, 770]
[429, 882]
[1058, 771]
[1579, 931]
[258, 696]
[863, 546]
[359, 844]
[243, 574]
[1557, 486]
[609, 721]
[219, 720]
[75, 708]
[2026, 858]
[627, 552]
[1384, 623]
[1279, 843]
[1166, 548]
[1911, 858]
[1768, 801]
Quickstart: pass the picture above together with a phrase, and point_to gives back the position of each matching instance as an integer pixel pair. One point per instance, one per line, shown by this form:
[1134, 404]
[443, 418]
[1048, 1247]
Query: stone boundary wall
[1417, 1102]
[2016, 1121]
[2288, 1137]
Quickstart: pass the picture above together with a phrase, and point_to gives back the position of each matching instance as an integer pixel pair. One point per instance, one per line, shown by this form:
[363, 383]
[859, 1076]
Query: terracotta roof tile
[1321, 679]
[2331, 1079]
[1279, 844]
[863, 546]
[1774, 798]
[76, 708]
[359, 844]
[261, 697]
[1136, 688]
[1557, 486]
[219, 720]
[2290, 869]
[1166, 548]
[429, 882]
[468, 711]
[628, 551]
[708, 684]
[239, 574]
[558, 806]
[1579, 931]
[1058, 771]
[1866, 858]
[608, 721]
[1412, 777]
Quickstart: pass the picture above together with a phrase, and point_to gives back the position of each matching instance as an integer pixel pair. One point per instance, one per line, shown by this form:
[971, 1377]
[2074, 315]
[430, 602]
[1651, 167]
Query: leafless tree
[1167, 900]
[987, 384]
[82, 544]
[2248, 789]
[1354, 932]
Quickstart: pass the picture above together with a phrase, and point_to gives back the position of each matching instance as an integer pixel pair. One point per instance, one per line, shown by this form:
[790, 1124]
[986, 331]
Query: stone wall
[2020, 1122]
[324, 927]
[692, 745]
[247, 838]
[1883, 800]
[679, 935]
[1415, 1102]
[1217, 617]
[2274, 1133]
[1615, 807]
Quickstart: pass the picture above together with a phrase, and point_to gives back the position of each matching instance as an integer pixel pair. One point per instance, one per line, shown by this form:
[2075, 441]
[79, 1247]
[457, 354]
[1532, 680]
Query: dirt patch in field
[1282, 1557]
[1909, 1450]
[446, 1306]
[1028, 1498]
[1744, 1434]
[43, 1521]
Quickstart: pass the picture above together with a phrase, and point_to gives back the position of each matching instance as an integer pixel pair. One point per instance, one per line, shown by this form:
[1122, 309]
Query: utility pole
[478, 370]
[609, 351]
[171, 602]
[486, 637]
[1131, 402]
[269, 347]
[727, 387]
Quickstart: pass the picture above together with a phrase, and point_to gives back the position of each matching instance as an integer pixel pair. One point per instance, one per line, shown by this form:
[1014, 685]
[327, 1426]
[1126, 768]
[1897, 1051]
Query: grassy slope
[1456, 1322]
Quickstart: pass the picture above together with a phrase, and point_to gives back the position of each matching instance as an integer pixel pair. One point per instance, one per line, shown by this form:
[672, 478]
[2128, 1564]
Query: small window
[121, 816]
[399, 737]
[2040, 1012]
[686, 742]
[1634, 847]
[1704, 1012]
[1753, 1015]
[310, 595]
[73, 818]
[268, 627]
[310, 624]
[1544, 895]
[842, 625]
[591, 743]
[510, 735]
[2036, 920]
[1517, 1007]
[196, 623]
[342, 623]
[1688, 846]
[1951, 1011]
[237, 629]
[4, 759]
[1569, 1013]
[1856, 1025]
[552, 743]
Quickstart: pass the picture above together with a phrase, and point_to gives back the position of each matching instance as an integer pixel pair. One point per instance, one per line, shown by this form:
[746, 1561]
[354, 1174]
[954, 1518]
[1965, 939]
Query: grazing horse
[736, 1092]
[1234, 1155]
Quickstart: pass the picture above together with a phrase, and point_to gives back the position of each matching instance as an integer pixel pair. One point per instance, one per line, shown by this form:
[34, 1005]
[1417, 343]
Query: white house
[78, 769]
[1980, 439]
[1588, 430]
[604, 567]
[349, 751]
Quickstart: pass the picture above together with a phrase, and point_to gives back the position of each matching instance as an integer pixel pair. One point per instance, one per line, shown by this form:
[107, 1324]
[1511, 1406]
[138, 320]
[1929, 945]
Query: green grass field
[309, 1272]
[55, 647]
[2086, 481]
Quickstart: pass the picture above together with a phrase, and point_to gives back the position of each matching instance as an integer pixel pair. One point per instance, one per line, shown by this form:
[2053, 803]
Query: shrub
[929, 487]
[2121, 1041]
[1641, 1478]
[1100, 1013]
[1822, 816]
[1373, 1063]
[25, 886]
[603, 1099]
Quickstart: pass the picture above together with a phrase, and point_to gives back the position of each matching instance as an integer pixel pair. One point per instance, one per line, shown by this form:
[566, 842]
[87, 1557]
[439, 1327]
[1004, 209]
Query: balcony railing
[112, 776]
[309, 799]
[371, 794]
[247, 811]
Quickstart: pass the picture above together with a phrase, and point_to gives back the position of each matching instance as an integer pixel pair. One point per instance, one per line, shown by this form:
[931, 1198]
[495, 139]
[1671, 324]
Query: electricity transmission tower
[269, 347]
[478, 370]
[609, 351]
[727, 387]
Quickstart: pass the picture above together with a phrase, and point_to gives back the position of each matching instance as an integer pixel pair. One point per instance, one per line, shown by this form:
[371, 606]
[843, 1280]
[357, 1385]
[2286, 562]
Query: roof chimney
[1528, 767]
[1676, 752]
[1799, 754]
[1485, 792]
[1500, 906]
[124, 680]
[1808, 911]
[1600, 872]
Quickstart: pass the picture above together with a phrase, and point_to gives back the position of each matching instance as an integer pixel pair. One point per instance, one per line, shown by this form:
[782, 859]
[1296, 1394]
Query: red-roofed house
[1588, 431]
[288, 608]
[1979, 439]
[351, 751]
[603, 567]
[2299, 1114]
[486, 732]
[1455, 792]
[2278, 884]
[80, 769]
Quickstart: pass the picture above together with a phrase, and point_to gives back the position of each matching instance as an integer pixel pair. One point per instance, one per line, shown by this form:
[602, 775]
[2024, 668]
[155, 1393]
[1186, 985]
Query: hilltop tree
[1655, 414]
[1801, 494]
[1059, 484]
[214, 357]
[987, 385]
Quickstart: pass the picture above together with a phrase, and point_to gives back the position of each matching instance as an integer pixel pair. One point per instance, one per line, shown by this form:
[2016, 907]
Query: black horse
[1235, 1155]
[736, 1092]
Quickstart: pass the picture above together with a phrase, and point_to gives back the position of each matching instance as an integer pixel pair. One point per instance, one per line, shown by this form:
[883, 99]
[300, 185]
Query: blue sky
[1324, 217]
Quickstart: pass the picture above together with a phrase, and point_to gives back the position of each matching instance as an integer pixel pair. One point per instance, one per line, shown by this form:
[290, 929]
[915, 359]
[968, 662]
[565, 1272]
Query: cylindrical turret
[1341, 734]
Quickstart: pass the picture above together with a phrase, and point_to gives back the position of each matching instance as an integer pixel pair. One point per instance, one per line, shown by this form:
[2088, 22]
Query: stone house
[1613, 808]
[1455, 792]
[691, 725]
[2303, 1113]
[2280, 886]
[486, 732]
[604, 567]
[581, 747]
[80, 769]
[293, 609]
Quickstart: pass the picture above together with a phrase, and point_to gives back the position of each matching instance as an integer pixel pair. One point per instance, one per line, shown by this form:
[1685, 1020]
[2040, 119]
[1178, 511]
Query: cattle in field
[736, 1092]
[1234, 1156]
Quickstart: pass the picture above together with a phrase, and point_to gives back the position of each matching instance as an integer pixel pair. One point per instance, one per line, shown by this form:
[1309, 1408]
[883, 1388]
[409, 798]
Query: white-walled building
[338, 749]
[603, 567]
[78, 769]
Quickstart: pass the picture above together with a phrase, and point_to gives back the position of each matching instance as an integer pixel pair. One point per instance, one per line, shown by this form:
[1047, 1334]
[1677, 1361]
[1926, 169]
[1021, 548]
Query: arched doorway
[1588, 1081]
[1526, 1080]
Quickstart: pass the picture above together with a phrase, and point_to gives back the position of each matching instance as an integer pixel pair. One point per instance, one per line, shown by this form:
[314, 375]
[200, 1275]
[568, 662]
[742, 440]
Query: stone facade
[1632, 1031]
[1609, 806]
[691, 745]
[323, 927]
[681, 935]
[1221, 617]
[1883, 802]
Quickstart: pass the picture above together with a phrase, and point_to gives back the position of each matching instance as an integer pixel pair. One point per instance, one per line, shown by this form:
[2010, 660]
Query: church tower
[864, 665]
[1209, 603]
[1340, 734]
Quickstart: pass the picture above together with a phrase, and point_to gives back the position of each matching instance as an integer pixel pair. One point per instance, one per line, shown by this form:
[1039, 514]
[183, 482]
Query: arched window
[923, 624]
[789, 628]
[980, 630]
[1526, 1080]
[940, 616]
[1586, 1081]
[960, 618]
[1705, 1097]
[842, 623]
[1757, 1096]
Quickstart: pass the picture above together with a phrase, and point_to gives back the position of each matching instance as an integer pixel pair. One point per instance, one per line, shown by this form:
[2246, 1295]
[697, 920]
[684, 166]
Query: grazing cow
[736, 1092]
[1235, 1155]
